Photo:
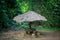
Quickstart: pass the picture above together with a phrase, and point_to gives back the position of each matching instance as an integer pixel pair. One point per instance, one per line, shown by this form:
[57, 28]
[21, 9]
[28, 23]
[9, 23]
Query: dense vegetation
[11, 8]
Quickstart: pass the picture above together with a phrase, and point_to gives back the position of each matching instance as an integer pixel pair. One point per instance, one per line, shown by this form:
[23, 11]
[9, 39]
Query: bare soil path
[17, 35]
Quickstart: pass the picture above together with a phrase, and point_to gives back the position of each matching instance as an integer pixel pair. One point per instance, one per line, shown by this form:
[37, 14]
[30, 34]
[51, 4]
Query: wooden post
[30, 25]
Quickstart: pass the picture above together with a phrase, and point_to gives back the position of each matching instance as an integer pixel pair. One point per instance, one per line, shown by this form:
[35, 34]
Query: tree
[7, 8]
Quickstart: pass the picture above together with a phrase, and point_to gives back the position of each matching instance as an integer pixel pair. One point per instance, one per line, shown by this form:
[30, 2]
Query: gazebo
[30, 17]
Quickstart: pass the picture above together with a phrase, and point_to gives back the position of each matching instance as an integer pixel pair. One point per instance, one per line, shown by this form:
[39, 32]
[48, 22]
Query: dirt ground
[17, 35]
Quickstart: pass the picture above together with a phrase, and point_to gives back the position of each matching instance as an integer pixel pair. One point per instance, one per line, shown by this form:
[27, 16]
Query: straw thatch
[29, 16]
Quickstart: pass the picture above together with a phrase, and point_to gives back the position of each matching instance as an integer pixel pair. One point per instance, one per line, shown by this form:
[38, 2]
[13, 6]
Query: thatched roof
[29, 16]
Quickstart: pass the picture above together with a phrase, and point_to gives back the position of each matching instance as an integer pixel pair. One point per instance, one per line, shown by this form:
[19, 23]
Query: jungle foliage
[11, 8]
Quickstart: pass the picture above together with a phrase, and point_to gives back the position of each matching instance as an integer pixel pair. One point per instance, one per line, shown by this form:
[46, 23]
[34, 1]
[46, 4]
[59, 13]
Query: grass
[48, 28]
